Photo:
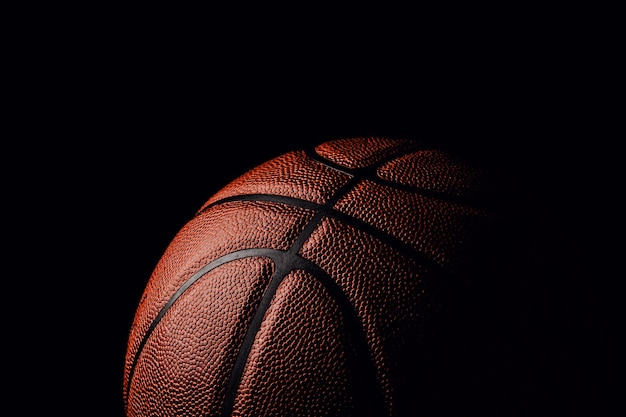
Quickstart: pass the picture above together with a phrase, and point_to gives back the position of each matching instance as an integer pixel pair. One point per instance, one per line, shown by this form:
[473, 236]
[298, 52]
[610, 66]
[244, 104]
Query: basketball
[307, 285]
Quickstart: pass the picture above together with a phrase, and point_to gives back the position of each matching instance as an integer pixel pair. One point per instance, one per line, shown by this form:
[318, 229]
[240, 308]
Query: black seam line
[312, 154]
[323, 211]
[366, 374]
[398, 152]
[244, 253]
[313, 223]
[275, 198]
[353, 324]
[282, 269]
[370, 173]
[287, 262]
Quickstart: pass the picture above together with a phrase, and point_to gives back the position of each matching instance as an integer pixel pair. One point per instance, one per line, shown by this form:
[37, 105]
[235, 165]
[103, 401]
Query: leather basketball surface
[303, 287]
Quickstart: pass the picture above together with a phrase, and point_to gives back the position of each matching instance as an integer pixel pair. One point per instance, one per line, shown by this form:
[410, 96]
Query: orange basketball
[304, 287]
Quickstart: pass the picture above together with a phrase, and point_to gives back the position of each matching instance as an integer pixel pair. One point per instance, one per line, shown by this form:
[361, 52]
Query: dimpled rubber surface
[302, 334]
[207, 335]
[303, 287]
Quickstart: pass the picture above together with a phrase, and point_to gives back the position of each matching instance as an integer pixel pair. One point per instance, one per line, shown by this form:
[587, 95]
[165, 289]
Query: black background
[124, 130]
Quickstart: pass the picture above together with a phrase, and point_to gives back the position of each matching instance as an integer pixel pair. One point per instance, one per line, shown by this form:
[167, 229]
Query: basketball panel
[438, 171]
[356, 153]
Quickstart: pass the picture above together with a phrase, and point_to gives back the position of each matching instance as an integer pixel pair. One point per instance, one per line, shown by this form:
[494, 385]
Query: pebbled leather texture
[304, 287]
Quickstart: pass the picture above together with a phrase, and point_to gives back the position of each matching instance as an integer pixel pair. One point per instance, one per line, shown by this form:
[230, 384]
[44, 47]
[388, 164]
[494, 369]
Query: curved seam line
[374, 177]
[232, 256]
[353, 321]
[349, 220]
[435, 195]
[288, 263]
[358, 176]
[242, 356]
[401, 150]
